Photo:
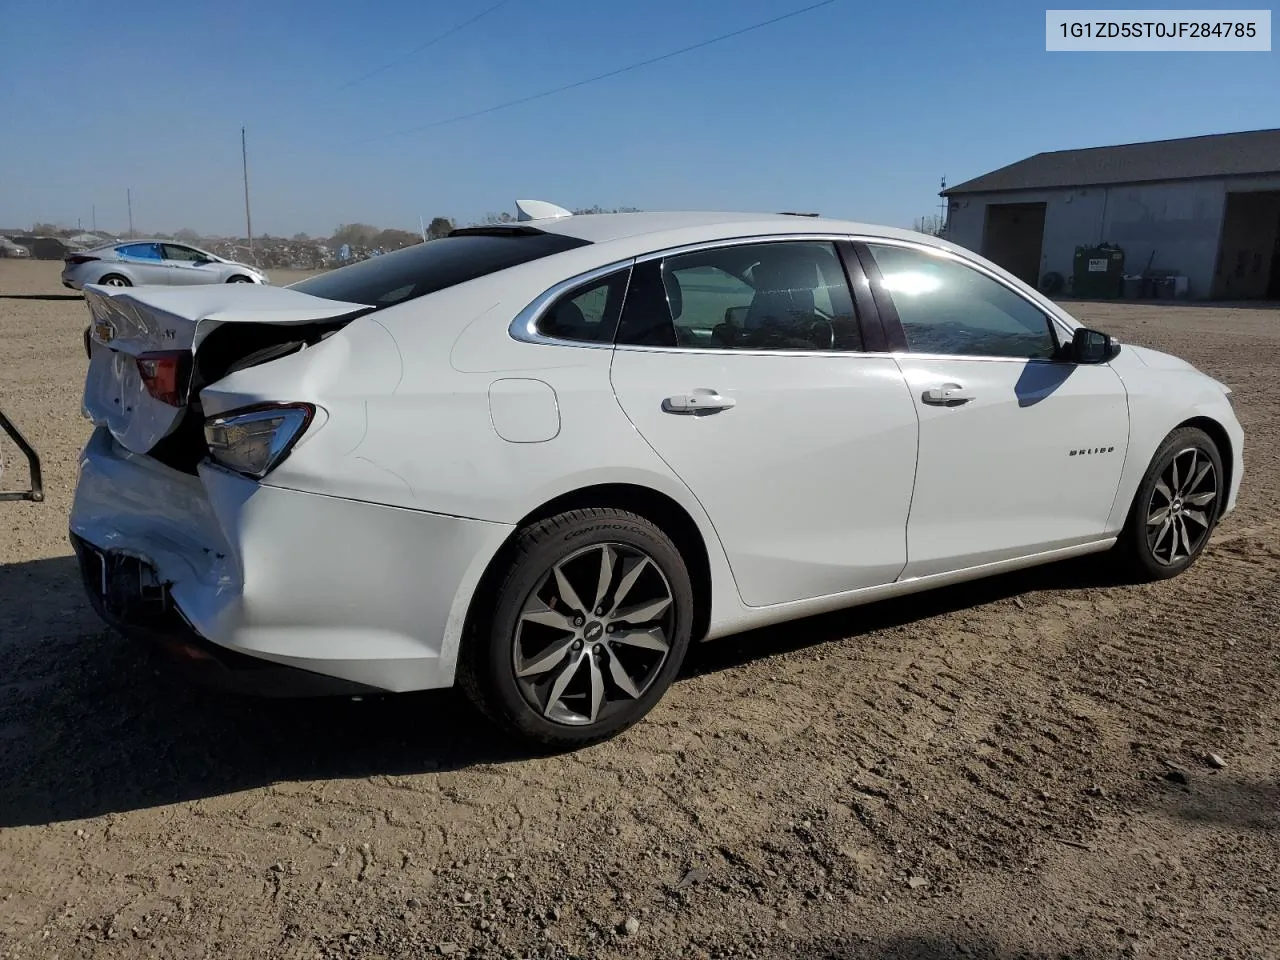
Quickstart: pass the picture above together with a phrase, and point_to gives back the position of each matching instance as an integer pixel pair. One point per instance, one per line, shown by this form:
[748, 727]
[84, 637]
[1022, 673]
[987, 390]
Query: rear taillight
[164, 374]
[253, 440]
[77, 259]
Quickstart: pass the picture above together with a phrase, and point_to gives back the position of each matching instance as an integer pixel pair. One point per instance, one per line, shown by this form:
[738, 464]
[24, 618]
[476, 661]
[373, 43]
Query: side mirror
[1093, 346]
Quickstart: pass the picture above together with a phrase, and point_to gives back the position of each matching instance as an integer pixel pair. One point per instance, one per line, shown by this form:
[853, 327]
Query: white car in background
[135, 263]
[540, 459]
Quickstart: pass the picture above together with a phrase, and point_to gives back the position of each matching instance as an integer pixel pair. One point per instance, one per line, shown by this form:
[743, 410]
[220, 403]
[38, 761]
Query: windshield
[424, 268]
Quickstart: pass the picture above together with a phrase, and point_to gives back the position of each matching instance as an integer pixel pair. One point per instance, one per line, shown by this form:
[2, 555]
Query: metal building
[1203, 208]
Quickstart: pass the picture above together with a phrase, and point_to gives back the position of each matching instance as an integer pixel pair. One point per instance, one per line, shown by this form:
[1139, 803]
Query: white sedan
[540, 459]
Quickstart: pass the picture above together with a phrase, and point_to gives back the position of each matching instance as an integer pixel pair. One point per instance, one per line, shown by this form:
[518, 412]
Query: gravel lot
[1013, 768]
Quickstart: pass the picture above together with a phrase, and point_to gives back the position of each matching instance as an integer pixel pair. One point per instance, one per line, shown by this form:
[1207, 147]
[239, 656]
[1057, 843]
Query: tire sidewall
[496, 669]
[1176, 442]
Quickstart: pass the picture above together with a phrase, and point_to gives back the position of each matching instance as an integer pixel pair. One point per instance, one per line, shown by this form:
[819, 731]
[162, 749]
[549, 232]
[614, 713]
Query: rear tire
[239, 278]
[115, 280]
[1176, 508]
[580, 629]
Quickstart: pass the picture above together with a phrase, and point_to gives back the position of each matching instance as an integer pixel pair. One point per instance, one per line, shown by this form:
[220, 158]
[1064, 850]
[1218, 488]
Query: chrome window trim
[825, 237]
[524, 327]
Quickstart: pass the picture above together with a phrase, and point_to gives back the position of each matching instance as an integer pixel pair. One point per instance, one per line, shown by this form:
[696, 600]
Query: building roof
[1249, 153]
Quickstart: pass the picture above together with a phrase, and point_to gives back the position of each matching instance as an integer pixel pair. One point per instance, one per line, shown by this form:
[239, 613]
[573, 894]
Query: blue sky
[854, 110]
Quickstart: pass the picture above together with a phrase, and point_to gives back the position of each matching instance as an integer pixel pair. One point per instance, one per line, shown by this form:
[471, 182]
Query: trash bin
[1098, 272]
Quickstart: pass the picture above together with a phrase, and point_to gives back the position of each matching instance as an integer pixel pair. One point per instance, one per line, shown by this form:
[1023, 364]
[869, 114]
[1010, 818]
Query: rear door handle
[946, 395]
[701, 400]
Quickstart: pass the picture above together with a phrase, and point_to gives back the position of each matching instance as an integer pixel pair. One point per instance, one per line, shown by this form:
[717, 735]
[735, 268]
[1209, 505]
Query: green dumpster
[1098, 272]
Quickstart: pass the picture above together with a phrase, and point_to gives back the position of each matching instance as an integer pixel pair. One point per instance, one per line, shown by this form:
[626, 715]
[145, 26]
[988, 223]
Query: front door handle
[701, 400]
[946, 395]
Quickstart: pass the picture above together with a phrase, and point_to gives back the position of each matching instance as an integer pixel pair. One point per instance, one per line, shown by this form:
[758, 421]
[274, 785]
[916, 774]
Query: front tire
[115, 280]
[1176, 508]
[239, 278]
[581, 629]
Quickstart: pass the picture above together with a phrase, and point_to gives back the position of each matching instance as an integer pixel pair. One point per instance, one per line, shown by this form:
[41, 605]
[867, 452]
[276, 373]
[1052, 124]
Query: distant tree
[187, 235]
[503, 217]
[301, 238]
[439, 227]
[393, 239]
[44, 229]
[356, 234]
[933, 225]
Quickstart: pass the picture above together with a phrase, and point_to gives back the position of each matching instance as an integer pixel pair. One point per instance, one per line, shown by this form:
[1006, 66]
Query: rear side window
[141, 251]
[588, 313]
[424, 268]
[789, 295]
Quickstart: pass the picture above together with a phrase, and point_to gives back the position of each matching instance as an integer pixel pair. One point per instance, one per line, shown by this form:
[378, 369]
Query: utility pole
[128, 197]
[248, 223]
[95, 218]
[942, 208]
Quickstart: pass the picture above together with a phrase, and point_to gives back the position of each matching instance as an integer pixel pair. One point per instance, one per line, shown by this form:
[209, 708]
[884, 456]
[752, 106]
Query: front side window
[588, 313]
[948, 308]
[141, 251]
[789, 295]
[174, 252]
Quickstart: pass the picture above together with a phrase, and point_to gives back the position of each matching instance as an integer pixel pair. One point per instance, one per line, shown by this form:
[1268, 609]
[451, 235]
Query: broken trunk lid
[128, 322]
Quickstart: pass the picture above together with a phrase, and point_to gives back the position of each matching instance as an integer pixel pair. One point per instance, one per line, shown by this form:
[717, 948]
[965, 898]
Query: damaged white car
[540, 459]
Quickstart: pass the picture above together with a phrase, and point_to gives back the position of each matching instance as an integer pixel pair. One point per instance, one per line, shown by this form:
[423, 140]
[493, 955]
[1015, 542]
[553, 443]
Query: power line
[418, 49]
[600, 76]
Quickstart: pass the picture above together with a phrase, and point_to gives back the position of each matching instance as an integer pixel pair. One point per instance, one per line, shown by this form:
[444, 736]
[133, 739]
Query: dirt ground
[1013, 768]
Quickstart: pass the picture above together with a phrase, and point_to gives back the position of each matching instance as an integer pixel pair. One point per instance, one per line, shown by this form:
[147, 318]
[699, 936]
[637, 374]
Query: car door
[146, 263]
[1020, 452]
[742, 366]
[188, 266]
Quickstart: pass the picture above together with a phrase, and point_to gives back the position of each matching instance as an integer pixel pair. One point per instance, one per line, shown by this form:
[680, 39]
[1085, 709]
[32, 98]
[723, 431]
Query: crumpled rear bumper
[125, 595]
[370, 595]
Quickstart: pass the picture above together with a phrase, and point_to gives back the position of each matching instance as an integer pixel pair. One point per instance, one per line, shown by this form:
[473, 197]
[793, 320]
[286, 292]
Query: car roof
[659, 229]
[128, 241]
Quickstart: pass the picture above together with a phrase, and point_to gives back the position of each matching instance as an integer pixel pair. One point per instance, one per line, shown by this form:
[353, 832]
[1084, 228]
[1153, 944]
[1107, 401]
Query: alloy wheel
[115, 282]
[593, 634]
[1181, 510]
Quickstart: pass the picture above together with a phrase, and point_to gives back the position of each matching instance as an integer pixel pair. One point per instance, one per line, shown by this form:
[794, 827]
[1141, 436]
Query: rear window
[427, 267]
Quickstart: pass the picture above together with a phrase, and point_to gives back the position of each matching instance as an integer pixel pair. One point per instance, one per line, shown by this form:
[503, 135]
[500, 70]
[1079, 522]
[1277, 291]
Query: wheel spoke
[1163, 532]
[651, 639]
[1186, 540]
[624, 682]
[627, 582]
[1197, 516]
[606, 575]
[1158, 517]
[597, 688]
[1200, 475]
[643, 612]
[558, 688]
[567, 593]
[547, 659]
[1162, 488]
[1202, 499]
[539, 612]
[1173, 467]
